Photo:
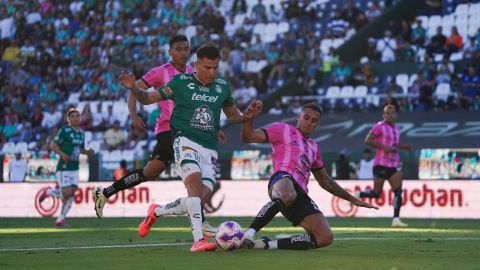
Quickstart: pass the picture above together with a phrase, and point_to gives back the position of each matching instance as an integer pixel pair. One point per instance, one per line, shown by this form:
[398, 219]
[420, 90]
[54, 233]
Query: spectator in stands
[360, 22]
[350, 12]
[239, 7]
[387, 47]
[425, 99]
[276, 109]
[454, 42]
[437, 43]
[445, 71]
[18, 169]
[86, 118]
[471, 50]
[371, 53]
[237, 56]
[115, 137]
[275, 15]
[293, 10]
[51, 118]
[342, 74]
[365, 166]
[259, 12]
[427, 68]
[373, 11]
[418, 34]
[470, 88]
[98, 118]
[417, 84]
[338, 26]
[405, 52]
[36, 119]
[295, 108]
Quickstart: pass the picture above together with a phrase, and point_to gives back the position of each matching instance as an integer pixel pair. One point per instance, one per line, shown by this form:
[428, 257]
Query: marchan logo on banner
[83, 195]
[417, 198]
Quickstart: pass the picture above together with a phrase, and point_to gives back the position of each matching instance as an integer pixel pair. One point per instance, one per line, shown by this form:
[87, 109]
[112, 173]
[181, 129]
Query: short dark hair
[314, 107]
[177, 38]
[209, 51]
[367, 150]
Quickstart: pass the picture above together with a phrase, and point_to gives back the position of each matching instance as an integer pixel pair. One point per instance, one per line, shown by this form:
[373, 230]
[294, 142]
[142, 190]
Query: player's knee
[324, 239]
[398, 192]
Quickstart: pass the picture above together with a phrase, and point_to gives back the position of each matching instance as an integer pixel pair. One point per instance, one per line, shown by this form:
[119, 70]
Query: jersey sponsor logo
[204, 97]
[184, 77]
[191, 86]
[203, 118]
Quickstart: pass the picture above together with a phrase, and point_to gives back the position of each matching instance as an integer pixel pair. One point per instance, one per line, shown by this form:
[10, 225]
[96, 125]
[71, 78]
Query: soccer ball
[229, 235]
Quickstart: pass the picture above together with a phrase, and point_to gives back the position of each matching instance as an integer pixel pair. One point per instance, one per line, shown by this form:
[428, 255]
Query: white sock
[177, 207]
[67, 204]
[195, 216]
[55, 193]
[273, 244]
[250, 233]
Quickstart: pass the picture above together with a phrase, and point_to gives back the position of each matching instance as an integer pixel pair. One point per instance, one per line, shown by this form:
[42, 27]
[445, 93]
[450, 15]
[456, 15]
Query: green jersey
[71, 142]
[197, 107]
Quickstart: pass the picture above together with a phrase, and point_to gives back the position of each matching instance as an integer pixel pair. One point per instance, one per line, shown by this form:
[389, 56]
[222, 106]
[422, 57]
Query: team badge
[167, 91]
[218, 88]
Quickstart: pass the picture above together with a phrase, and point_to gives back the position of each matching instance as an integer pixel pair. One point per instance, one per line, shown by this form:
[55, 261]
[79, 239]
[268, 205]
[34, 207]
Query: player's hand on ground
[361, 203]
[138, 123]
[127, 79]
[221, 137]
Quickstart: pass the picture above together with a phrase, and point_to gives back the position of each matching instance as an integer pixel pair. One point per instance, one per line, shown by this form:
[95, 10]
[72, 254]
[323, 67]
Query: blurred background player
[294, 155]
[69, 143]
[385, 137]
[365, 166]
[162, 154]
[195, 122]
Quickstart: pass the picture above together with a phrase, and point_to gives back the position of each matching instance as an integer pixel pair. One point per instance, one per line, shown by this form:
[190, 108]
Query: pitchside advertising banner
[422, 199]
[339, 131]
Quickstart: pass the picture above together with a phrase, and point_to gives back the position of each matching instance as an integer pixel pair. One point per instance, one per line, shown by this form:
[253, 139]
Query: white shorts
[189, 152]
[67, 178]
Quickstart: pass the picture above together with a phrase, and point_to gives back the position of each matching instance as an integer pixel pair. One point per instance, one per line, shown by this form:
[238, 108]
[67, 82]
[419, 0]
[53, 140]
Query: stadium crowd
[55, 54]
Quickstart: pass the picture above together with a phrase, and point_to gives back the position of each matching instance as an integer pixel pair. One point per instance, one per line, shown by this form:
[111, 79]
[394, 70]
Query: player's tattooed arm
[145, 97]
[327, 183]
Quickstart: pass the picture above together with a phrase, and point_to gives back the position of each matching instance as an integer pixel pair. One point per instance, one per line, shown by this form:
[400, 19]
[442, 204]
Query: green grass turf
[424, 245]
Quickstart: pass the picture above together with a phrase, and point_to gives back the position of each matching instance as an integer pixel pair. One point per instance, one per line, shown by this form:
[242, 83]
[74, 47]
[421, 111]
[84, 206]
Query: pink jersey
[158, 77]
[293, 153]
[390, 136]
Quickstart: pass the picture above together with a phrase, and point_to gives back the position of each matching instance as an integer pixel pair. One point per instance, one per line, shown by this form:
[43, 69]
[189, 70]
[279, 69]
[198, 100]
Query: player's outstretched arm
[137, 122]
[145, 97]
[327, 183]
[247, 133]
[234, 115]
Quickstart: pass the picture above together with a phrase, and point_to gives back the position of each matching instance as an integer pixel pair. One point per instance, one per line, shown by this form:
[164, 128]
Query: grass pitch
[113, 243]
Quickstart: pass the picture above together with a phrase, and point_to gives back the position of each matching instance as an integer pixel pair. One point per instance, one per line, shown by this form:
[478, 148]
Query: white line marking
[183, 244]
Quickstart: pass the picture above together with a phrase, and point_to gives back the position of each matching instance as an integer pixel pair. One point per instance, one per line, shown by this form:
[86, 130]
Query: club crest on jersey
[202, 118]
[218, 88]
[167, 91]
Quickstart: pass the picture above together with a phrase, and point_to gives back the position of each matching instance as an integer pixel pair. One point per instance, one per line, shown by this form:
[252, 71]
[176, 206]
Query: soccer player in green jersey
[69, 143]
[199, 98]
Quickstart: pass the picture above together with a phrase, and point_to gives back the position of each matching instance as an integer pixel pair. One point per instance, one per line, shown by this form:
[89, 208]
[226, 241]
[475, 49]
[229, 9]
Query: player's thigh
[396, 180]
[317, 225]
[153, 169]
[68, 182]
[196, 165]
[283, 189]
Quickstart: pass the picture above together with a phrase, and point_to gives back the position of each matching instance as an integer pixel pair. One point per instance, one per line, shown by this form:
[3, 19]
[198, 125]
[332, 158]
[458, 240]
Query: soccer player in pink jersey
[385, 137]
[295, 155]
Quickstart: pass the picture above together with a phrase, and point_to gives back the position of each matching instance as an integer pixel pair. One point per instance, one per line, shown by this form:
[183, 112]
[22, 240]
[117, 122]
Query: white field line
[183, 244]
